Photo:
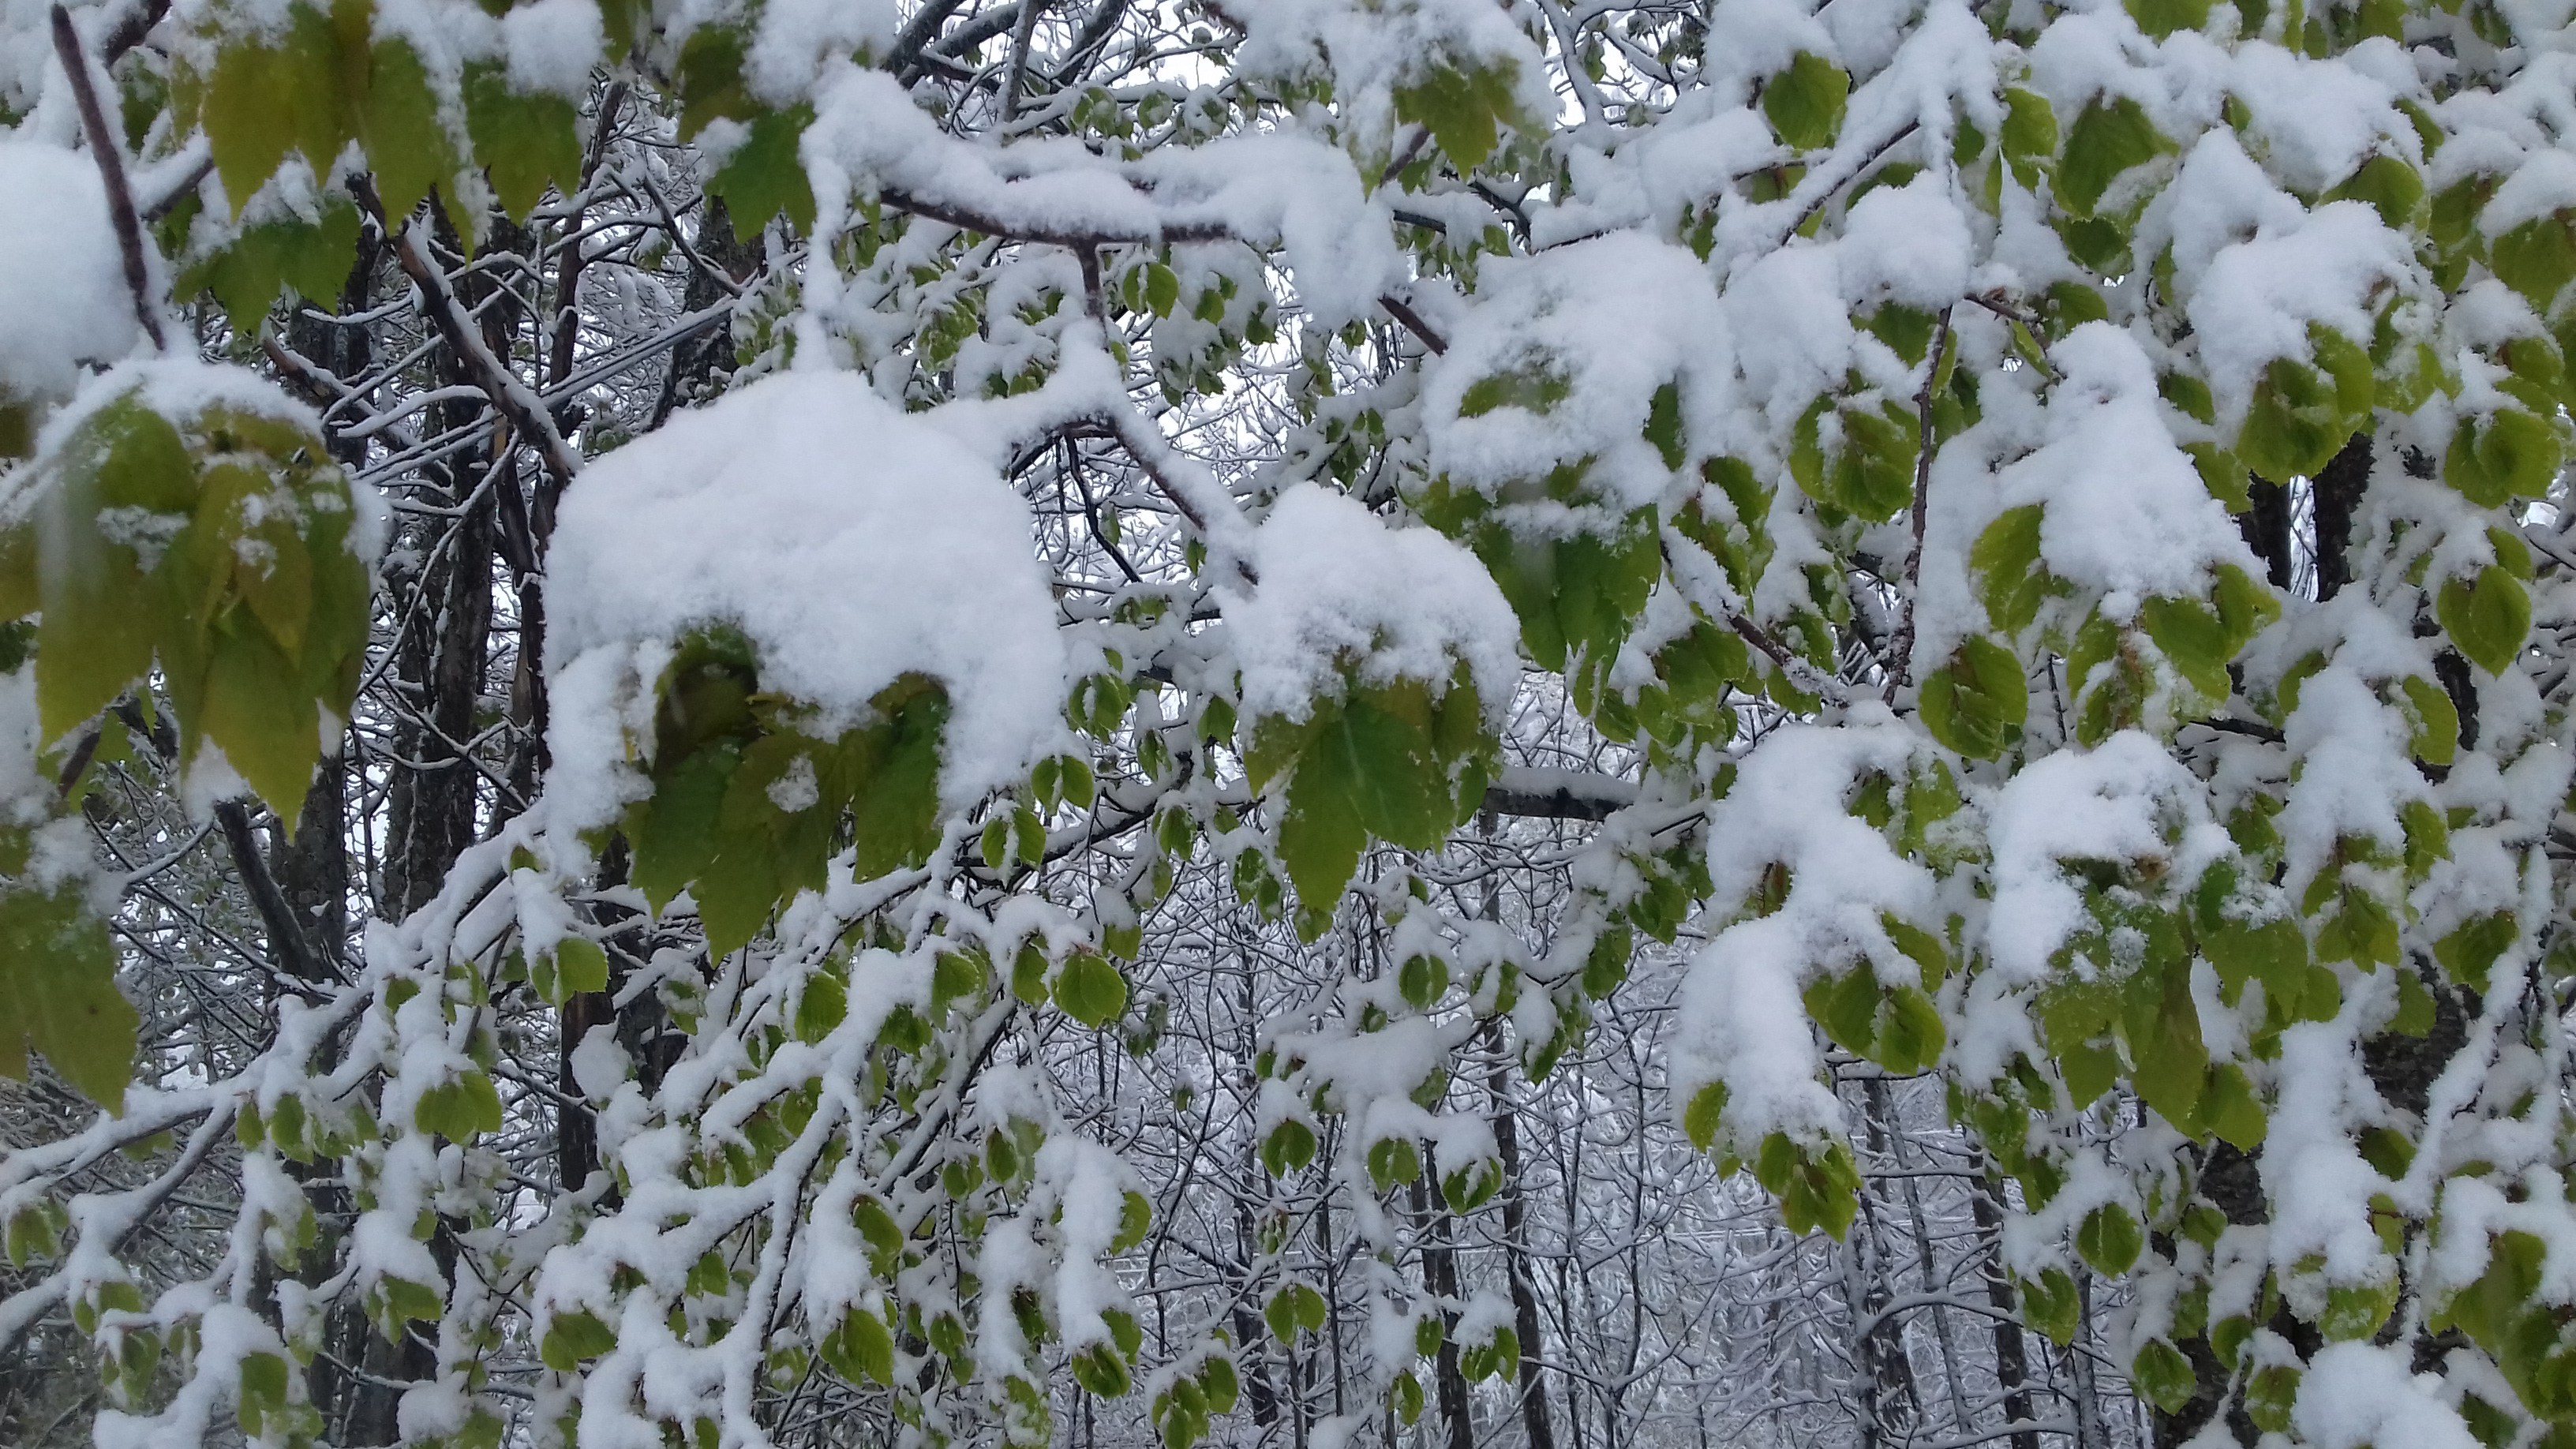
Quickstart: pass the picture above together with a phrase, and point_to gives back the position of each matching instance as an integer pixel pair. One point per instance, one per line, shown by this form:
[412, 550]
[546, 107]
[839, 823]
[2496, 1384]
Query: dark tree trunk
[1891, 1402]
[2012, 1355]
[1525, 1320]
[1440, 1275]
[2266, 527]
[2338, 489]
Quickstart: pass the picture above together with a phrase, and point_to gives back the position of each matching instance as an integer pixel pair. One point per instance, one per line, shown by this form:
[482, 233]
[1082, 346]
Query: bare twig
[1827, 195]
[110, 156]
[1413, 323]
[510, 396]
[161, 206]
[1900, 652]
[137, 25]
[285, 933]
[986, 224]
[1016, 74]
[1804, 675]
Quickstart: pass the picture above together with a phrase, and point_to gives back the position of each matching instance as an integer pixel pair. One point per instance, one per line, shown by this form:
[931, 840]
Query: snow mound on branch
[1742, 1018]
[1293, 190]
[850, 543]
[1333, 580]
[62, 293]
[1605, 322]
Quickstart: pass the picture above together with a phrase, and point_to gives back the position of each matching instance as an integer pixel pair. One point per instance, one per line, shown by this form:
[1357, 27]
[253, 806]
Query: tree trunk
[1440, 1275]
[2338, 488]
[2266, 526]
[1525, 1321]
[2012, 1356]
[1891, 1404]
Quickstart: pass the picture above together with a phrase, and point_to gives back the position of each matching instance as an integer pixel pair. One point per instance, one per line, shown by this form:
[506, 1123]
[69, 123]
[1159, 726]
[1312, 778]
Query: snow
[1260, 188]
[63, 300]
[850, 543]
[2356, 1394]
[553, 45]
[1612, 319]
[1744, 1022]
[1341, 588]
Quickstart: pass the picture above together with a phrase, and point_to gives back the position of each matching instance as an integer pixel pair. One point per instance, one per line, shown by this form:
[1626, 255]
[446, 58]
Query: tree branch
[1900, 651]
[1413, 323]
[285, 933]
[512, 398]
[109, 153]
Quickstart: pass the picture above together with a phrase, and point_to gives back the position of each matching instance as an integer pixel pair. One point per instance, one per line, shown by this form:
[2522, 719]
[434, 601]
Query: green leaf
[2356, 1310]
[58, 994]
[255, 711]
[2230, 1108]
[1465, 107]
[2029, 133]
[573, 1337]
[1535, 387]
[1135, 1219]
[2537, 258]
[2009, 575]
[821, 1006]
[1496, 1357]
[1392, 1160]
[1700, 1120]
[1664, 425]
[2269, 1395]
[2107, 139]
[407, 144]
[1911, 1033]
[459, 1109]
[2049, 1304]
[2469, 952]
[1977, 702]
[2506, 455]
[1815, 1190]
[885, 1235]
[2163, 1375]
[2388, 184]
[1290, 1146]
[409, 1302]
[2436, 739]
[576, 965]
[1320, 837]
[1405, 1397]
[2160, 18]
[524, 142]
[2487, 617]
[710, 79]
[1805, 102]
[893, 770]
[314, 258]
[1090, 990]
[248, 131]
[861, 1347]
[1294, 1307]
[93, 641]
[1871, 472]
[2109, 1239]
[2301, 416]
[765, 175]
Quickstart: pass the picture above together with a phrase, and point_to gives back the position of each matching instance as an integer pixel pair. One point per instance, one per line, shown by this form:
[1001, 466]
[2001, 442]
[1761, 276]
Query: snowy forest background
[1962, 607]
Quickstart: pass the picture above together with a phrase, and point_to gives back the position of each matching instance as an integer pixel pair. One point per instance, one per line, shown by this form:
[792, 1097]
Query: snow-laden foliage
[825, 574]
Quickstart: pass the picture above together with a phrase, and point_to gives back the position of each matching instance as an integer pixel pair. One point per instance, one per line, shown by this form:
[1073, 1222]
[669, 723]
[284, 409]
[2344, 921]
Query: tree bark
[1440, 1275]
[2338, 488]
[2266, 526]
[2012, 1354]
[1525, 1321]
